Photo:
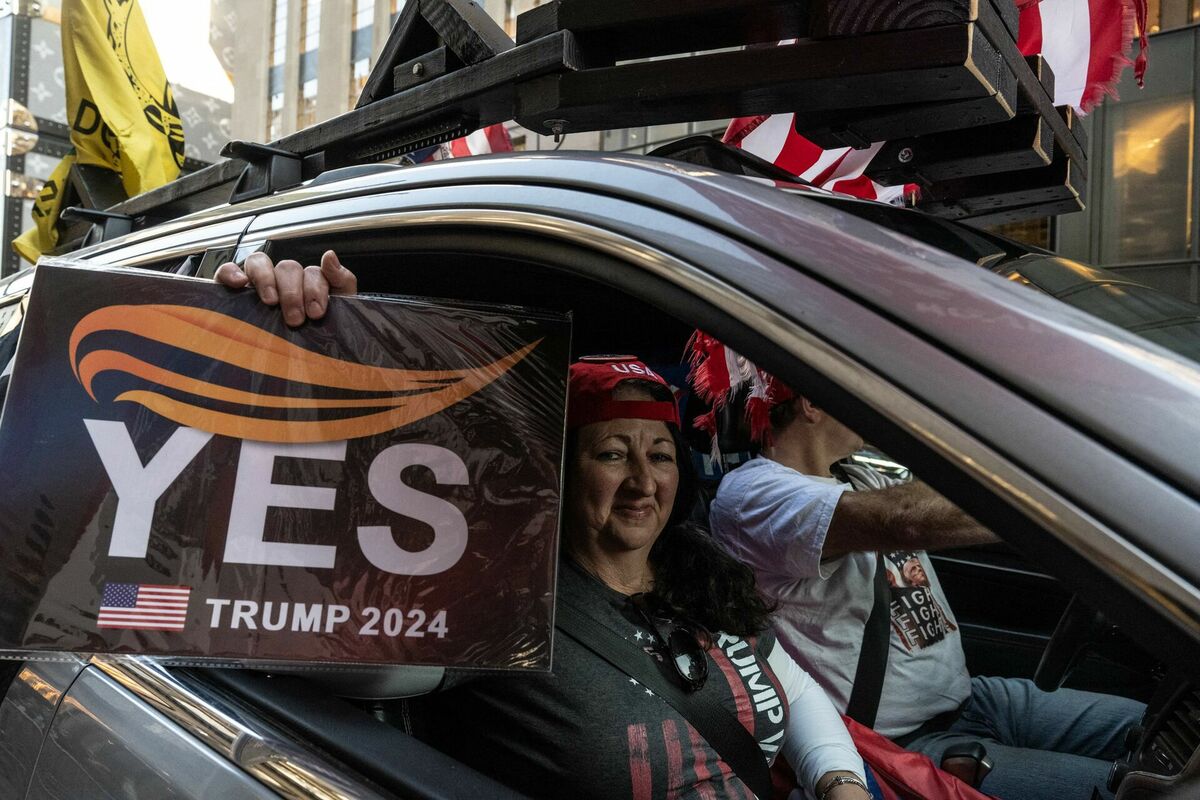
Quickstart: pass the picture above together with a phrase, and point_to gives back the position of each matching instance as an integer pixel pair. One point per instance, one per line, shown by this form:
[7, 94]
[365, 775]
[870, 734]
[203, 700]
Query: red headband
[591, 384]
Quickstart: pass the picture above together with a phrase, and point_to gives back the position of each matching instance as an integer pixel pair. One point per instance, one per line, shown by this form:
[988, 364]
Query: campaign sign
[186, 476]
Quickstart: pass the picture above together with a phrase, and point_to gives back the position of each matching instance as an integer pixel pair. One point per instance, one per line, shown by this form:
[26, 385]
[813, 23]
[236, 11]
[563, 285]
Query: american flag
[144, 606]
[1085, 42]
[492, 139]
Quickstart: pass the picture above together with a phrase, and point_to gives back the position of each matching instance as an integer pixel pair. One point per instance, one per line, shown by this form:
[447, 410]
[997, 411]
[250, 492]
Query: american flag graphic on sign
[144, 606]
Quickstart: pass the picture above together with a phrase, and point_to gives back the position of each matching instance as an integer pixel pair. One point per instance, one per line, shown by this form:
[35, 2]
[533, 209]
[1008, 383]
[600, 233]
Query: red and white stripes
[1085, 42]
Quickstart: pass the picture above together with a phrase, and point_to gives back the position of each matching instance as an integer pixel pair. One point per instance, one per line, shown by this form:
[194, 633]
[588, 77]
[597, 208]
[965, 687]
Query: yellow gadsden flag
[120, 106]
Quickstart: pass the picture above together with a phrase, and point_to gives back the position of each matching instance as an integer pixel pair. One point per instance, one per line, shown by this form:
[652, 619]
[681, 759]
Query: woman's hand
[300, 292]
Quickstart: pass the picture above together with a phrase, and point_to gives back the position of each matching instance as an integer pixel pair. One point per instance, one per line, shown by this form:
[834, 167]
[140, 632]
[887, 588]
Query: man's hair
[783, 414]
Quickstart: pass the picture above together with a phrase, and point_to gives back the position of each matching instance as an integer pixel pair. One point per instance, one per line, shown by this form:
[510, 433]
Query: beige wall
[333, 75]
[252, 50]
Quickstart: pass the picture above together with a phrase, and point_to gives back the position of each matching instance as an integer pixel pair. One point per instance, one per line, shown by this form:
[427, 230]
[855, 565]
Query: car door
[1010, 405]
[970, 380]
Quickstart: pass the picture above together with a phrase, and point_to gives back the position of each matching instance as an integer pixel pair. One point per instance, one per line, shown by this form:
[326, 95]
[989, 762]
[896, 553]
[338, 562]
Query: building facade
[1142, 194]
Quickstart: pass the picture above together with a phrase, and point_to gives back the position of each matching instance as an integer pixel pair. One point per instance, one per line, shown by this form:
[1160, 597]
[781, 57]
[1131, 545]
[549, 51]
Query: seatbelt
[873, 658]
[720, 729]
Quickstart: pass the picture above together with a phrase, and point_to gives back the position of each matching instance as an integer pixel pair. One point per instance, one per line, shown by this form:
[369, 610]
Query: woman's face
[621, 485]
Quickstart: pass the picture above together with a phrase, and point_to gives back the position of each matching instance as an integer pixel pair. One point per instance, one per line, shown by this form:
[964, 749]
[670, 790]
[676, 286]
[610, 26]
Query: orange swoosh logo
[399, 396]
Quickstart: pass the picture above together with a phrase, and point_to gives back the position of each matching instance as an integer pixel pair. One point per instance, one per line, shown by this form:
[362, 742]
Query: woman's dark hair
[691, 571]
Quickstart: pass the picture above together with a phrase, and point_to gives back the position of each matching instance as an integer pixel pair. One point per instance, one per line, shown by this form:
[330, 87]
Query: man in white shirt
[815, 543]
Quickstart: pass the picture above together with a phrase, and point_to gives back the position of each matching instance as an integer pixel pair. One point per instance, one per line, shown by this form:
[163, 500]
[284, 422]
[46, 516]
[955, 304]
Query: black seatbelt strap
[873, 658]
[719, 728]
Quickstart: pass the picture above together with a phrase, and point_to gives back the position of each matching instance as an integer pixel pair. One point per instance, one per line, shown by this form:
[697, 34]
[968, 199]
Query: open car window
[1007, 597]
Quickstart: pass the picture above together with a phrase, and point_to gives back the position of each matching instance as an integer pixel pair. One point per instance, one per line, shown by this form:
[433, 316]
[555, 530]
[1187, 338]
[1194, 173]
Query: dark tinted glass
[1162, 318]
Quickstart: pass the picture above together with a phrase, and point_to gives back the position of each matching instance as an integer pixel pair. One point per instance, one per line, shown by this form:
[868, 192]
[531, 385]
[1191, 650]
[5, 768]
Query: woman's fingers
[316, 292]
[231, 275]
[340, 279]
[261, 272]
[289, 283]
[300, 292]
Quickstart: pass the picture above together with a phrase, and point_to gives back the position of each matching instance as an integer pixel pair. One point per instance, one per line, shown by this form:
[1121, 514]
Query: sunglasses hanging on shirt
[682, 645]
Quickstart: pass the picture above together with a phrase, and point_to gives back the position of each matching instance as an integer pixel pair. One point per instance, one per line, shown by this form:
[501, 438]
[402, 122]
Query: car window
[1164, 319]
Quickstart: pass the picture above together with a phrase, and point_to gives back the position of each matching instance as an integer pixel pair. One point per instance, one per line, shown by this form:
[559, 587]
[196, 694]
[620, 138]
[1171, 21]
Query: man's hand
[300, 292]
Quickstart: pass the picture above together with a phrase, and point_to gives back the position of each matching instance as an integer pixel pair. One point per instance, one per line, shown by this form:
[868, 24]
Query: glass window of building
[1163, 15]
[310, 25]
[397, 7]
[310, 39]
[307, 113]
[364, 14]
[275, 77]
[360, 47]
[1146, 202]
[1151, 167]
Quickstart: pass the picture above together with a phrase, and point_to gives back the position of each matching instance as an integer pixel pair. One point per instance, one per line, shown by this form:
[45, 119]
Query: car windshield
[1162, 318]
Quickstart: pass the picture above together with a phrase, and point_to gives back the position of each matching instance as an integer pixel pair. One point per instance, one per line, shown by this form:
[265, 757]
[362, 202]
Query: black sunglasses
[682, 645]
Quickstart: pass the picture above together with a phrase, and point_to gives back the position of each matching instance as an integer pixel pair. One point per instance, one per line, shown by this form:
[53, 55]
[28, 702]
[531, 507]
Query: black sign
[187, 476]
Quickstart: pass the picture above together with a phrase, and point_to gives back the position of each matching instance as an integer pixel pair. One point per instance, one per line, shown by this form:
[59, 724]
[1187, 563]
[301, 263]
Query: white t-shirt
[775, 519]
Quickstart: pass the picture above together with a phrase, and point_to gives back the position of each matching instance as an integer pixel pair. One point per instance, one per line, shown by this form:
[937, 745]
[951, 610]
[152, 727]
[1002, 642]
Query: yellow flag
[120, 106]
[42, 236]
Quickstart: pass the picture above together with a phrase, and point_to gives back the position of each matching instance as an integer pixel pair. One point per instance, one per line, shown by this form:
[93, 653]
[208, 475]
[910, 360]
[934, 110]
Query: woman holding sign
[667, 678]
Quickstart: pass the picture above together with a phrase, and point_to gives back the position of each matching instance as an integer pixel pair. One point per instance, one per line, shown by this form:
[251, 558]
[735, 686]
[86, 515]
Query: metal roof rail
[268, 169]
[105, 225]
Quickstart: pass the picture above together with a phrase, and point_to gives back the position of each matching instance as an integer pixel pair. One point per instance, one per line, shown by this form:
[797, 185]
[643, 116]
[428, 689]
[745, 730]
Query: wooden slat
[409, 37]
[1045, 76]
[617, 30]
[420, 69]
[970, 197]
[840, 128]
[484, 94]
[203, 189]
[944, 64]
[855, 17]
[1019, 144]
[539, 21]
[1074, 124]
[1067, 205]
[466, 29]
[1030, 87]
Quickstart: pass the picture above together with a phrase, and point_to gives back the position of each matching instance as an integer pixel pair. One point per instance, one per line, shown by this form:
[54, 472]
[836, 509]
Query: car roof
[1139, 396]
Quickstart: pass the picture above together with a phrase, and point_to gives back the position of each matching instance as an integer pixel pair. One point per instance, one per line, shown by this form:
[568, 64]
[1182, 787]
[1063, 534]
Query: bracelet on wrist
[843, 780]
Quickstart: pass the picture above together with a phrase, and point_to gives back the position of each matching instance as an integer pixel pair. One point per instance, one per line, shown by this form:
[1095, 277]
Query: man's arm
[910, 516]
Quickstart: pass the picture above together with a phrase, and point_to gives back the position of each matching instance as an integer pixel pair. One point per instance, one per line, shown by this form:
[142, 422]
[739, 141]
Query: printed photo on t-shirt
[917, 617]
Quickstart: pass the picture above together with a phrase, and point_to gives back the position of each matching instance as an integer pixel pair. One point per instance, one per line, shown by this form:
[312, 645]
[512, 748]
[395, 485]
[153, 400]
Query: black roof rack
[941, 81]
